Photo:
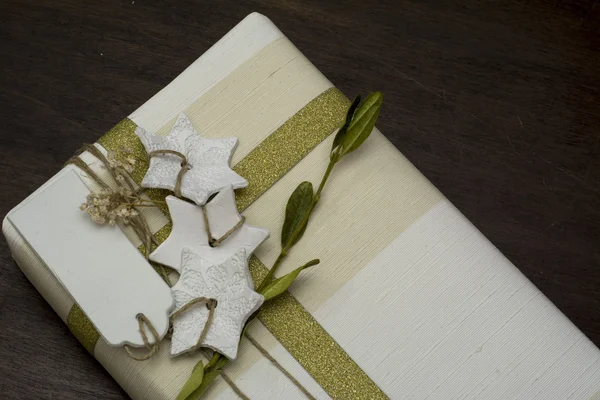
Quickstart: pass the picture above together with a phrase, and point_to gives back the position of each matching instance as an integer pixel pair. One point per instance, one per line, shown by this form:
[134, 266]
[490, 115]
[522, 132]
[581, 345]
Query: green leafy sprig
[357, 127]
[359, 124]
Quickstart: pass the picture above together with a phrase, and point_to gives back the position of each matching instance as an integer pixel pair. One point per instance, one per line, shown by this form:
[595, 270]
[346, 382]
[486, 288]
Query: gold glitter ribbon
[82, 328]
[293, 326]
[289, 144]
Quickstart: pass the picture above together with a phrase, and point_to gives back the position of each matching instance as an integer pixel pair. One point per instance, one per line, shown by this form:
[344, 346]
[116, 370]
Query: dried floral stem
[139, 205]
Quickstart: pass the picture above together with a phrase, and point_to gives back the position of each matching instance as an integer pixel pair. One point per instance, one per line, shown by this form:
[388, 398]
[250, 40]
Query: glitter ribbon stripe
[285, 317]
[289, 144]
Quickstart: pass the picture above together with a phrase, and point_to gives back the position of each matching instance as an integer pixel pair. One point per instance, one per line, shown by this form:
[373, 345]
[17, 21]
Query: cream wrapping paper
[409, 289]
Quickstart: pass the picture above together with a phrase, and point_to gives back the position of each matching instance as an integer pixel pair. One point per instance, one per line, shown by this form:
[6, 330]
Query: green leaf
[340, 135]
[280, 285]
[362, 124]
[209, 377]
[193, 383]
[296, 213]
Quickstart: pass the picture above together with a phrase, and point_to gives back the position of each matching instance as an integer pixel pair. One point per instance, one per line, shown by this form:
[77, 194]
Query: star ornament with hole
[189, 231]
[208, 161]
[228, 282]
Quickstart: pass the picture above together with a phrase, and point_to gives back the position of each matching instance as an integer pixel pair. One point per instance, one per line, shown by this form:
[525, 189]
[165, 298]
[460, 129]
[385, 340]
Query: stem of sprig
[298, 231]
[359, 123]
[357, 127]
[324, 180]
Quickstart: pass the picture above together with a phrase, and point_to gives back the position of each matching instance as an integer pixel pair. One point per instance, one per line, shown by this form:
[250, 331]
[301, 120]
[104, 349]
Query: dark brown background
[495, 102]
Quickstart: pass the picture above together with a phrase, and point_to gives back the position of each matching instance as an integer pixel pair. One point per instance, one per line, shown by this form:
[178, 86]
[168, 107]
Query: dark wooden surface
[497, 103]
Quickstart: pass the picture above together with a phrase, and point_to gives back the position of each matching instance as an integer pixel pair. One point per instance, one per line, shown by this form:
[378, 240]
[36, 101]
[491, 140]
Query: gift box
[409, 301]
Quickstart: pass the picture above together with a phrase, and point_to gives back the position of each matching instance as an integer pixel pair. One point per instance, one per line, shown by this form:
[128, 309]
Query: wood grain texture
[496, 103]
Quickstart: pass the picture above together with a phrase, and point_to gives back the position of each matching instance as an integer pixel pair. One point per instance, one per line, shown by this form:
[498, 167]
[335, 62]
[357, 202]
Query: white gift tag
[106, 275]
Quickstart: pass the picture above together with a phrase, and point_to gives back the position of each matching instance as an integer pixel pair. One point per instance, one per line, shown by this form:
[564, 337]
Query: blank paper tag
[106, 275]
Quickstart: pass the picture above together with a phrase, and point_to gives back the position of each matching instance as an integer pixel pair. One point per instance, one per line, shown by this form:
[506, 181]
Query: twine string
[280, 367]
[93, 150]
[152, 347]
[139, 226]
[142, 230]
[234, 387]
[211, 304]
[77, 161]
[137, 223]
[185, 166]
[215, 242]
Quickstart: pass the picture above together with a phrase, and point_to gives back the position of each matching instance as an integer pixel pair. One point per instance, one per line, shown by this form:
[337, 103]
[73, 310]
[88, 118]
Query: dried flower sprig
[359, 124]
[112, 206]
[122, 163]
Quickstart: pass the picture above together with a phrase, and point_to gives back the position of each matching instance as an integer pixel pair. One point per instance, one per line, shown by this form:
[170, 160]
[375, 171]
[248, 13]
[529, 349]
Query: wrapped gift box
[410, 301]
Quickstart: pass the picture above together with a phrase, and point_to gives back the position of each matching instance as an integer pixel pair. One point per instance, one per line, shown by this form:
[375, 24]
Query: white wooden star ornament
[228, 282]
[189, 231]
[207, 159]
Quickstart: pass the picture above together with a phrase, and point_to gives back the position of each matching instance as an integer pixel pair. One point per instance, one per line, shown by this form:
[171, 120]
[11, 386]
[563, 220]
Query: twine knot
[212, 242]
[211, 304]
[185, 167]
[152, 347]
